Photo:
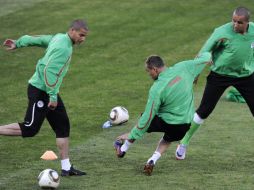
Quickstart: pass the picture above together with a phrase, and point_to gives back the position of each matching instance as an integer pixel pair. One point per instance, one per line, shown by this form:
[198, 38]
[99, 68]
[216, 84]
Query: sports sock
[197, 121]
[156, 155]
[66, 165]
[125, 146]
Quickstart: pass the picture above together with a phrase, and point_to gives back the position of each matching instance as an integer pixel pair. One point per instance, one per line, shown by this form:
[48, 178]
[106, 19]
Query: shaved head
[242, 11]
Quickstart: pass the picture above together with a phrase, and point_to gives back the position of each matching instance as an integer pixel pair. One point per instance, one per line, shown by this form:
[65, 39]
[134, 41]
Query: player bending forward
[170, 105]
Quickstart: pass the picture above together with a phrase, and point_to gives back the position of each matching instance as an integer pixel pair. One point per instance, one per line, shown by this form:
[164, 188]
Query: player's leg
[214, 89]
[12, 129]
[196, 122]
[181, 148]
[173, 132]
[59, 121]
[63, 147]
[36, 112]
[158, 125]
[246, 89]
[215, 86]
[34, 117]
[161, 149]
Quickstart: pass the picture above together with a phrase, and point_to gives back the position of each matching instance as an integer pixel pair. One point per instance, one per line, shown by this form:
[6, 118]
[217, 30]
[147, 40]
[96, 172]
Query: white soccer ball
[48, 178]
[118, 115]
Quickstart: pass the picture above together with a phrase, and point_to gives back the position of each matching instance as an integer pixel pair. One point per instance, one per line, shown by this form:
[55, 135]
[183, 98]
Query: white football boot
[180, 152]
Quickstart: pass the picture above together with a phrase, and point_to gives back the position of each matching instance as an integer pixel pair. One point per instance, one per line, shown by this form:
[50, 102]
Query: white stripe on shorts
[29, 124]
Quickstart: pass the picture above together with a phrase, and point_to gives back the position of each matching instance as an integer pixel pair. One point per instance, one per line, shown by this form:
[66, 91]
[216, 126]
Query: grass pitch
[108, 70]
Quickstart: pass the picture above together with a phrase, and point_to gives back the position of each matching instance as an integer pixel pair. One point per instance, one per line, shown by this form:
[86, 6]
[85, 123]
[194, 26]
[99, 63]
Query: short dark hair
[78, 24]
[154, 61]
[242, 11]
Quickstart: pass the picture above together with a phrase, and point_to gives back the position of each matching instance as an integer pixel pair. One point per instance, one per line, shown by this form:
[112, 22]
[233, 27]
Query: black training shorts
[172, 132]
[38, 110]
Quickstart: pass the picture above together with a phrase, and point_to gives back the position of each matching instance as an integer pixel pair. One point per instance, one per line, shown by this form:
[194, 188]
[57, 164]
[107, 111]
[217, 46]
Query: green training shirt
[233, 53]
[51, 68]
[171, 95]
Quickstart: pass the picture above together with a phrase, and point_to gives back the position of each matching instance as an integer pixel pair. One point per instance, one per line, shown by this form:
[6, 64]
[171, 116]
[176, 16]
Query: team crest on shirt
[252, 45]
[40, 104]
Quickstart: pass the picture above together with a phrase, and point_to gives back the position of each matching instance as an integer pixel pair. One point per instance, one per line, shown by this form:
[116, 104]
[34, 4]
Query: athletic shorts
[172, 132]
[38, 110]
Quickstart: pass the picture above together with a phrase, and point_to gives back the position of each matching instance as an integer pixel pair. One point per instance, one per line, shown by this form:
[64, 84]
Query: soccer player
[170, 105]
[43, 89]
[232, 47]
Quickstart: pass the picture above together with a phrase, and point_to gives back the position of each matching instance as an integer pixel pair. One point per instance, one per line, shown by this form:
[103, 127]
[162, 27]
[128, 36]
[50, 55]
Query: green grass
[108, 70]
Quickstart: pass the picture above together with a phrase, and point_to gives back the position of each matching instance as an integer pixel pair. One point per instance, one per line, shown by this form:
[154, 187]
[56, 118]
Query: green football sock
[186, 139]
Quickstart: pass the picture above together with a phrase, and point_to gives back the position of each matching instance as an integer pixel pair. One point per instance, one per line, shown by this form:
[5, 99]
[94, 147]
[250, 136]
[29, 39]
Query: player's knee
[29, 131]
[63, 132]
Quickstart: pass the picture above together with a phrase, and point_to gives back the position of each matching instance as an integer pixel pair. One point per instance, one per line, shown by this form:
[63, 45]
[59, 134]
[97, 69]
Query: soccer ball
[48, 178]
[118, 115]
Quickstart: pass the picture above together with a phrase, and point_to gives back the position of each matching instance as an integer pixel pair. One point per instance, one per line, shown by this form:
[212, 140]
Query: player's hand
[52, 105]
[10, 44]
[123, 137]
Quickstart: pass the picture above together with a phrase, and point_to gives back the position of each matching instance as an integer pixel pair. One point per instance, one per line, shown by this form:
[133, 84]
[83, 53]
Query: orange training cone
[49, 155]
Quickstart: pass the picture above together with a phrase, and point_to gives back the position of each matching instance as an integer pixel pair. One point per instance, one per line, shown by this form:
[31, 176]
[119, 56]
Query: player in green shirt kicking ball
[232, 47]
[170, 105]
[44, 101]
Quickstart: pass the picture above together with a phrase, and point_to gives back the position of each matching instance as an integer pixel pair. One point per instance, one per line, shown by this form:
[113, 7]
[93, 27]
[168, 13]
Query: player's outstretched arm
[9, 44]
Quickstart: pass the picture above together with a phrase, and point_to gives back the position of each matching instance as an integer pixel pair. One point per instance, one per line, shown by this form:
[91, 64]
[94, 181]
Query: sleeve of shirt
[40, 41]
[212, 43]
[196, 66]
[53, 72]
[144, 121]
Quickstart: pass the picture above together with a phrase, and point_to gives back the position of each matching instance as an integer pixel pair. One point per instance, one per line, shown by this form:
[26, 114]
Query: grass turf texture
[108, 70]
